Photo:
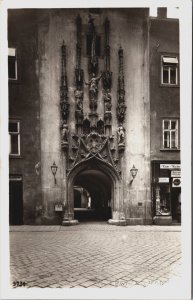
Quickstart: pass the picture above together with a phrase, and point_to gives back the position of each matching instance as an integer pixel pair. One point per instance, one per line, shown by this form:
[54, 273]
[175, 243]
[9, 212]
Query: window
[170, 134]
[12, 64]
[169, 72]
[14, 138]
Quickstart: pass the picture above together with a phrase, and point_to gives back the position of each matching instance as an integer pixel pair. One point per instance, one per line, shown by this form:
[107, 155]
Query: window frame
[15, 56]
[170, 65]
[170, 130]
[18, 134]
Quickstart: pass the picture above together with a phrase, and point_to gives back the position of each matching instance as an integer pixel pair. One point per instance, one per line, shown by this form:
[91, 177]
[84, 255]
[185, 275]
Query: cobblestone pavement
[94, 255]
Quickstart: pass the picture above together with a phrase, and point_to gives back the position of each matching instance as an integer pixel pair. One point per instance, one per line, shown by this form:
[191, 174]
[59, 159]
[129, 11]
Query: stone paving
[94, 255]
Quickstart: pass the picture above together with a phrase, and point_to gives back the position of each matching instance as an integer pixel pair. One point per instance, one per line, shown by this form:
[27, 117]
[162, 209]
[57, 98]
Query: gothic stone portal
[100, 182]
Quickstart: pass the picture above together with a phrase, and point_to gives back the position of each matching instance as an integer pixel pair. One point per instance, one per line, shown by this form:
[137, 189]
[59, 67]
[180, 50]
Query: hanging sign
[170, 166]
[163, 179]
[176, 182]
[175, 173]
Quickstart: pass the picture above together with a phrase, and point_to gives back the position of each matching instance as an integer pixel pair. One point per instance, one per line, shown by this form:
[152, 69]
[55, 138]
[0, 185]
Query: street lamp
[133, 171]
[54, 169]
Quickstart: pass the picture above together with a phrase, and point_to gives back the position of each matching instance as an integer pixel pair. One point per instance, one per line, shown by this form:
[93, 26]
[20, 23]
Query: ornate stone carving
[107, 74]
[79, 78]
[95, 146]
[93, 86]
[64, 136]
[64, 105]
[107, 100]
[94, 142]
[93, 61]
[100, 127]
[107, 81]
[121, 138]
[86, 126]
[121, 107]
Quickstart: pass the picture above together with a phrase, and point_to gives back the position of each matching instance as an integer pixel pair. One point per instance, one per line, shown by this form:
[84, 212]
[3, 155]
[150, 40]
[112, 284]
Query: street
[94, 255]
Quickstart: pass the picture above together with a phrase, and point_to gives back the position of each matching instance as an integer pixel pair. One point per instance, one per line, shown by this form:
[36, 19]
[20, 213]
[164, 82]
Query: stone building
[88, 113]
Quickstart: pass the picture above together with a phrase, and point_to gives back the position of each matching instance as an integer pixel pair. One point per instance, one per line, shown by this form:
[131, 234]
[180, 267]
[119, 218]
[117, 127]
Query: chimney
[162, 12]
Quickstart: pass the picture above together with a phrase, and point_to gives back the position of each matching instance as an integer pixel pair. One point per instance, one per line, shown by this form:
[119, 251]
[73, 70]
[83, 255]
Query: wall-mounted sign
[170, 166]
[175, 173]
[58, 207]
[176, 182]
[163, 179]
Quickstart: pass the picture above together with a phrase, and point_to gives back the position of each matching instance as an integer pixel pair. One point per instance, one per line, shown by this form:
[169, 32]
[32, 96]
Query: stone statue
[93, 83]
[79, 99]
[121, 134]
[64, 133]
[107, 101]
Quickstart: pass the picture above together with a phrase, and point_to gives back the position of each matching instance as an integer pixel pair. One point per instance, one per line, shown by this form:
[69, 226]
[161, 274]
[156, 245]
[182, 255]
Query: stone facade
[84, 104]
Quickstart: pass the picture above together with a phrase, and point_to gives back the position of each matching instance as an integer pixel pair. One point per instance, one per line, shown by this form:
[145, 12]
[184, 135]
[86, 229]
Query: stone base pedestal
[162, 220]
[117, 222]
[69, 222]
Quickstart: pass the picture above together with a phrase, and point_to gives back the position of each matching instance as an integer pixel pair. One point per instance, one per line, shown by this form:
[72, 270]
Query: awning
[170, 60]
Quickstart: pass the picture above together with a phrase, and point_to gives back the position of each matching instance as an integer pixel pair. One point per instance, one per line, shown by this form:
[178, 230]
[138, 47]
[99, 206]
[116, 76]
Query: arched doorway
[92, 196]
[101, 181]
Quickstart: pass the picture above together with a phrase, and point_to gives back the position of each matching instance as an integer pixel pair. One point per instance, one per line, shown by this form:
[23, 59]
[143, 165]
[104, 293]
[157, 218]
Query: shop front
[166, 192]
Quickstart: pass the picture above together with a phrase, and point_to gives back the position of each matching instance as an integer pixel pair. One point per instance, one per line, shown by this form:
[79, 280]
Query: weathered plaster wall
[24, 104]
[128, 28]
[165, 101]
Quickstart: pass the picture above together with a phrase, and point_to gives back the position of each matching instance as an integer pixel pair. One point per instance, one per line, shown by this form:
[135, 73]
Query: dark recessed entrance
[15, 201]
[92, 196]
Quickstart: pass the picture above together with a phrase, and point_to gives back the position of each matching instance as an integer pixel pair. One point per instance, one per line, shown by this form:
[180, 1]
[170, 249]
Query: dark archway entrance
[101, 181]
[92, 196]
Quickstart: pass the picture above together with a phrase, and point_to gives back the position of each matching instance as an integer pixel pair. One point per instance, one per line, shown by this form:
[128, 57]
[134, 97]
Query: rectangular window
[12, 64]
[170, 134]
[169, 70]
[14, 138]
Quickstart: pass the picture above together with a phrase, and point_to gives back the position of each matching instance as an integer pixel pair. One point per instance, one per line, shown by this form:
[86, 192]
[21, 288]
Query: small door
[16, 202]
[176, 204]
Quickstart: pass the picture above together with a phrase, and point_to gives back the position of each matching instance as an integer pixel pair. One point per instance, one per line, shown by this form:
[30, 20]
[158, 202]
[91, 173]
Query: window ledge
[14, 81]
[15, 156]
[170, 150]
[169, 85]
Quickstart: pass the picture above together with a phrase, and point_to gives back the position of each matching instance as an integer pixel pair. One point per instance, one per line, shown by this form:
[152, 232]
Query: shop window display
[163, 206]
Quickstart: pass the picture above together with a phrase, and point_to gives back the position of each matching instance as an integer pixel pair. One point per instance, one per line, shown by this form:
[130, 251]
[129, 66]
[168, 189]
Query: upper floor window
[14, 138]
[170, 134]
[169, 70]
[12, 64]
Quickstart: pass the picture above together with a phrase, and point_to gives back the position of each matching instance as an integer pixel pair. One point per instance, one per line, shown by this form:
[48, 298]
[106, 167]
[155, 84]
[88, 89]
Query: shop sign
[170, 166]
[163, 179]
[176, 182]
[175, 173]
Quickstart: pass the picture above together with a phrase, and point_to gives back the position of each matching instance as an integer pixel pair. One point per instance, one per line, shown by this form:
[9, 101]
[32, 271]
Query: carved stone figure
[93, 83]
[121, 135]
[107, 79]
[64, 133]
[107, 101]
[121, 108]
[79, 99]
[64, 109]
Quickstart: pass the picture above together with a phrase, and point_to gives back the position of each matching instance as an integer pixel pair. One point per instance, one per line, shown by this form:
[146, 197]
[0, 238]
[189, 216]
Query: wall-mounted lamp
[133, 171]
[54, 169]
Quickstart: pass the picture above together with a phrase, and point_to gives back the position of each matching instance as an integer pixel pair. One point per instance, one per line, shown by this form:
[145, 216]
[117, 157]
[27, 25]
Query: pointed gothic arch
[94, 166]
